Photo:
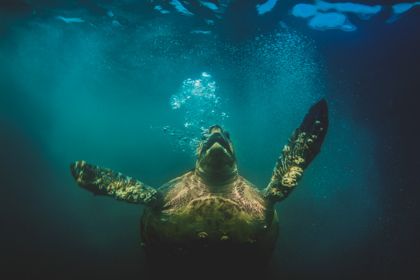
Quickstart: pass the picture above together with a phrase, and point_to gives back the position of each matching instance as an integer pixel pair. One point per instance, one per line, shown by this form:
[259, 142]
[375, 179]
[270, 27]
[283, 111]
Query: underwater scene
[220, 139]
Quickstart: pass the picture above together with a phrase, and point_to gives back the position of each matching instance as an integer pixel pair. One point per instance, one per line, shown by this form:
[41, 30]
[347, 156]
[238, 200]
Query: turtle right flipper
[104, 181]
[304, 144]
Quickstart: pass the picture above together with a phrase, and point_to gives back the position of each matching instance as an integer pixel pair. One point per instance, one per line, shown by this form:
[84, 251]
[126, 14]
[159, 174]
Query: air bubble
[201, 106]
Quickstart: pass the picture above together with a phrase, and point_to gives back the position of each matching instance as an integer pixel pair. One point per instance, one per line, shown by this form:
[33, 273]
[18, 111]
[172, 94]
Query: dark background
[379, 62]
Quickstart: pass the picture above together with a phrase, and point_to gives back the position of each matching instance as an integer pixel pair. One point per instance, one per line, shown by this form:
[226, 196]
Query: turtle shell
[200, 226]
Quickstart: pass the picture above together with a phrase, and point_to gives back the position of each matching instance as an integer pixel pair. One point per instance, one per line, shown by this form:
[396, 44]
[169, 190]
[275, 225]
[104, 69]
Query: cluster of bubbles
[201, 108]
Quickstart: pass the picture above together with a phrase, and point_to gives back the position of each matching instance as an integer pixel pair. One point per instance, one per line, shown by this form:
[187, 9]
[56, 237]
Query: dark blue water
[130, 84]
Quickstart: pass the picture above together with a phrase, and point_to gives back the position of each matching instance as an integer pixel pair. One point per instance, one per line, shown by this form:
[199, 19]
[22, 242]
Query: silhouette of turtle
[211, 216]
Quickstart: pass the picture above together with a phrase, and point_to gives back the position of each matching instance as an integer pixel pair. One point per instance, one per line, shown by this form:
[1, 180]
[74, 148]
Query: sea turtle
[211, 215]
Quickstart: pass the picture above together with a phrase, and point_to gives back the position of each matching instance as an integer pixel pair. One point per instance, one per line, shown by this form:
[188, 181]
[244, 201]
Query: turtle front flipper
[304, 144]
[104, 181]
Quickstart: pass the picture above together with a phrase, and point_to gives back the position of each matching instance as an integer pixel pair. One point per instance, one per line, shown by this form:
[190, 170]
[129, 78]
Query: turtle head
[216, 162]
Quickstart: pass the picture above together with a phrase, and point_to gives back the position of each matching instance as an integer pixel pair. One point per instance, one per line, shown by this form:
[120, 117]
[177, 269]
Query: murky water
[132, 86]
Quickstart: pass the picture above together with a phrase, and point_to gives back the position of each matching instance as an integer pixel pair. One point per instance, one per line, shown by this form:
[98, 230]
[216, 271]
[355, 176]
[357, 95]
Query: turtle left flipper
[304, 144]
[104, 181]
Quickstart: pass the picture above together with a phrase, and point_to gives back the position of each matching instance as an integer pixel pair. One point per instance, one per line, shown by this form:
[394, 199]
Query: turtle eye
[227, 134]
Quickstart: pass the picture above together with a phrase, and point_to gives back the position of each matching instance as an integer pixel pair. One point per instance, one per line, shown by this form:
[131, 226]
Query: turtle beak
[215, 129]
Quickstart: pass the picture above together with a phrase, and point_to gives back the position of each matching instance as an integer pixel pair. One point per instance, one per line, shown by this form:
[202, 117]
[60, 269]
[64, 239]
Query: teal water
[134, 96]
